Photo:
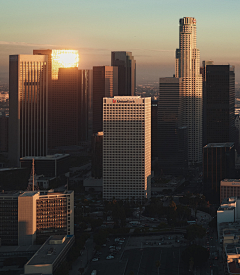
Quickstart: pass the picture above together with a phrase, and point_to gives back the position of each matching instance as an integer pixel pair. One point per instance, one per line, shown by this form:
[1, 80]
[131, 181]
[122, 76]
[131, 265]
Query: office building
[126, 72]
[105, 84]
[63, 95]
[229, 188]
[188, 70]
[154, 128]
[28, 106]
[50, 255]
[4, 133]
[97, 155]
[127, 148]
[171, 137]
[218, 164]
[85, 101]
[220, 100]
[30, 216]
[49, 166]
[204, 97]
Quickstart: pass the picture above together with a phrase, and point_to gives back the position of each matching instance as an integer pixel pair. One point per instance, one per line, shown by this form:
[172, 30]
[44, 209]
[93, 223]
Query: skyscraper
[105, 84]
[126, 72]
[127, 147]
[171, 147]
[188, 69]
[28, 106]
[63, 94]
[220, 100]
[85, 101]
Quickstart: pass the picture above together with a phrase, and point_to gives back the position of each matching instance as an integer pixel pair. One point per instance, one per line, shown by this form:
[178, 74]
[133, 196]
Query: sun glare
[63, 59]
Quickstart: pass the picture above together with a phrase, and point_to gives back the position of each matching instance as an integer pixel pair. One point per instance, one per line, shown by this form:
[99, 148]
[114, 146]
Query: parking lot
[139, 254]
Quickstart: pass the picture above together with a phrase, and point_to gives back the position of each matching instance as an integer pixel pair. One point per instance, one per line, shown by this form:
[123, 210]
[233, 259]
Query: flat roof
[48, 253]
[213, 145]
[48, 157]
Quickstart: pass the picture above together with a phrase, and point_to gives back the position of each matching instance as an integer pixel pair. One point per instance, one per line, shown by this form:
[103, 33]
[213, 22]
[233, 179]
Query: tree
[195, 231]
[195, 255]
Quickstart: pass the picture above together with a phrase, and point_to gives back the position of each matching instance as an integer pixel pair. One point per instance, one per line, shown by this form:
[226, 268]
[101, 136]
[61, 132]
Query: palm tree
[158, 264]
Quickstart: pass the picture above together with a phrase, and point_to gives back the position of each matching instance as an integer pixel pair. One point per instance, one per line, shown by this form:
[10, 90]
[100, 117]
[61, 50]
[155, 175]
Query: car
[110, 257]
[112, 246]
[94, 259]
[117, 240]
[104, 245]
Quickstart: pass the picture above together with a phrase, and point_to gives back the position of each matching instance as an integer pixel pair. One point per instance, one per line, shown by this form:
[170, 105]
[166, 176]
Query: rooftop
[48, 157]
[48, 253]
[223, 145]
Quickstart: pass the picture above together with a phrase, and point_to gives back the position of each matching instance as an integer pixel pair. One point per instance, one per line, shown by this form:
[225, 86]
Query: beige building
[126, 147]
[51, 254]
[188, 70]
[31, 215]
[229, 188]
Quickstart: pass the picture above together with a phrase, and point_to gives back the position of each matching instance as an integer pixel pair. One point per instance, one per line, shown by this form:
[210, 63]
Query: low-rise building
[28, 215]
[50, 255]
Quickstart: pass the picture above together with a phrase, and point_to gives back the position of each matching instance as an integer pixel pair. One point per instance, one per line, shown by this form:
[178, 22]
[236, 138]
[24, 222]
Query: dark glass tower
[126, 72]
[220, 97]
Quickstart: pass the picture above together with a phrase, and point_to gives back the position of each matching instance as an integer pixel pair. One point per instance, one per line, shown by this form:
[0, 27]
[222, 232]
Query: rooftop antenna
[31, 182]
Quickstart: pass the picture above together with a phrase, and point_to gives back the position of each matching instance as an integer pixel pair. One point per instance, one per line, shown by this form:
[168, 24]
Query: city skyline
[97, 28]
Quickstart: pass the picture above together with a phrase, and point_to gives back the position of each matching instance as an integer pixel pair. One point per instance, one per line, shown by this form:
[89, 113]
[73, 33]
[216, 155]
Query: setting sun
[63, 59]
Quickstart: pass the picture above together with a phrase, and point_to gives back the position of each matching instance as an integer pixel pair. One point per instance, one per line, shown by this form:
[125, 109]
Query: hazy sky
[149, 29]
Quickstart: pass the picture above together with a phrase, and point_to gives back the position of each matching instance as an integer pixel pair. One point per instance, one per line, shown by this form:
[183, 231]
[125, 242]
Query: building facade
[220, 104]
[85, 101]
[105, 84]
[127, 148]
[169, 133]
[218, 164]
[188, 70]
[28, 106]
[126, 72]
[63, 95]
[229, 188]
[26, 217]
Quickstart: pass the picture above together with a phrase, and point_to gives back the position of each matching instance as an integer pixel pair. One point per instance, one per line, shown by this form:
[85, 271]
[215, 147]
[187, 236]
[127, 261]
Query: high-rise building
[28, 106]
[63, 95]
[85, 81]
[170, 136]
[218, 164]
[220, 104]
[4, 133]
[204, 98]
[126, 72]
[105, 84]
[154, 128]
[127, 147]
[188, 70]
[97, 155]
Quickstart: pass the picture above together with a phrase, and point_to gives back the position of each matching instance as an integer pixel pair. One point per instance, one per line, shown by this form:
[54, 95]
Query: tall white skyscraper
[188, 69]
[126, 147]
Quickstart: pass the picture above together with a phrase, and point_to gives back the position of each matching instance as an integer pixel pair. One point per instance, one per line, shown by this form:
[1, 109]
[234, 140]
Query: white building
[188, 69]
[228, 211]
[126, 147]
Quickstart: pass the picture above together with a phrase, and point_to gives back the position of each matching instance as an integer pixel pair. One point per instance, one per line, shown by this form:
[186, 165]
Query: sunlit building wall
[26, 217]
[28, 106]
[188, 69]
[126, 148]
[126, 72]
